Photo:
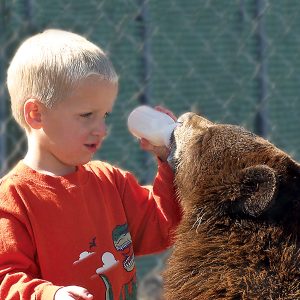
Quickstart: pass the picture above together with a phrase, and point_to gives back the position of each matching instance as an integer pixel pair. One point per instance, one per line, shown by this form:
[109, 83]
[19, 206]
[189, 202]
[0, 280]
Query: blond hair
[48, 65]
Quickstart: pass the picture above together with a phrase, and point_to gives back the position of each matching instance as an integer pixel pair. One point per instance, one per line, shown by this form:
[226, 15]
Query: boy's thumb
[82, 293]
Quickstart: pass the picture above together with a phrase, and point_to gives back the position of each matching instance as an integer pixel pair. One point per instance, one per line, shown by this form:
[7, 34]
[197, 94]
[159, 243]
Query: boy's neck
[45, 163]
[46, 167]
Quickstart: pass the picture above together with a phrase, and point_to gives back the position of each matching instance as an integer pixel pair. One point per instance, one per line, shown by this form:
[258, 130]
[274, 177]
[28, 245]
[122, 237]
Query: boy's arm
[161, 212]
[18, 270]
[152, 212]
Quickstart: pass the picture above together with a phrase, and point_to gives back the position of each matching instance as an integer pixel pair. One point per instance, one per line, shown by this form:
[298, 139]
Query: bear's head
[239, 235]
[225, 171]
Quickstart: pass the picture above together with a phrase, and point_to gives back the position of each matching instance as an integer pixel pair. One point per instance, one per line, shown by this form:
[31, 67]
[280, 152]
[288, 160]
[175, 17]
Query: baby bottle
[155, 126]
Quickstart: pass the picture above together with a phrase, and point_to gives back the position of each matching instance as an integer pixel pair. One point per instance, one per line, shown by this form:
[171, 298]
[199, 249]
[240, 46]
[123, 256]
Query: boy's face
[74, 128]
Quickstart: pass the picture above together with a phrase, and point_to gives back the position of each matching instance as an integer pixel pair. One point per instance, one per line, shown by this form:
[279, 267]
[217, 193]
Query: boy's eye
[86, 115]
[106, 115]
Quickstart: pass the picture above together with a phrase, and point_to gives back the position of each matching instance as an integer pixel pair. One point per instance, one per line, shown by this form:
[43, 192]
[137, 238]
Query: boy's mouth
[93, 147]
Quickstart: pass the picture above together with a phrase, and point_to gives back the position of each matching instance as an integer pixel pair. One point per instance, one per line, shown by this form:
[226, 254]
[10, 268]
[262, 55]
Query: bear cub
[240, 197]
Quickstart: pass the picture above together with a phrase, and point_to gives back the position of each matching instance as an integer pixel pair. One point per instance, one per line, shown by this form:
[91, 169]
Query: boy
[70, 226]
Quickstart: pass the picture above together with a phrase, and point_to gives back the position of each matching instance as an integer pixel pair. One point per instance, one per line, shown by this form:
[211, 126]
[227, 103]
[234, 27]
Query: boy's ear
[32, 113]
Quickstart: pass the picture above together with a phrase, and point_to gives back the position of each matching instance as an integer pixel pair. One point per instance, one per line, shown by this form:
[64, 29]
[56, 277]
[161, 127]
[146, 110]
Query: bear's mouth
[171, 157]
[170, 161]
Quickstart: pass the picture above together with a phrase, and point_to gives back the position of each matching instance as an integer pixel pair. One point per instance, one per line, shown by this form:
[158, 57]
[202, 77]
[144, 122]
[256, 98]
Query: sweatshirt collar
[75, 179]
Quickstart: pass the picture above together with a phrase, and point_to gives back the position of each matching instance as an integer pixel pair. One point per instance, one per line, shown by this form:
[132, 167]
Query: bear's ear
[258, 189]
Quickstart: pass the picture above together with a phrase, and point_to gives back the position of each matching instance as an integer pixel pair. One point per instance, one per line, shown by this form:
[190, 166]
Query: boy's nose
[100, 129]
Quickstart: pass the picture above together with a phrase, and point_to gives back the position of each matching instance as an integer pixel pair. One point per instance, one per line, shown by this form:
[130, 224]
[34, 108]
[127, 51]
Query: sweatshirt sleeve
[153, 212]
[19, 273]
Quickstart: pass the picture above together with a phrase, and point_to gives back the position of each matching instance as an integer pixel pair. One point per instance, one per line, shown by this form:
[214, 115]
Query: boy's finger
[146, 145]
[166, 111]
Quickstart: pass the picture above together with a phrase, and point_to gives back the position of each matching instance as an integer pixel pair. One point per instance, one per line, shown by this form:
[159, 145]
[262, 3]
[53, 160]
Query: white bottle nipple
[155, 126]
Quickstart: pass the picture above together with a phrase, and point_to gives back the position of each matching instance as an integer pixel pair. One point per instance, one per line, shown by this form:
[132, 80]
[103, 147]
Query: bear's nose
[185, 117]
[194, 120]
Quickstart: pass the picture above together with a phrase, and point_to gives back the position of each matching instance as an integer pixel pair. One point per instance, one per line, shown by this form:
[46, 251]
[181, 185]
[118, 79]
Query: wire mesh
[232, 61]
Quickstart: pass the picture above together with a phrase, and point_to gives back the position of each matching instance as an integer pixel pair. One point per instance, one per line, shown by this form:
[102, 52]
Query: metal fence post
[3, 114]
[262, 118]
[145, 96]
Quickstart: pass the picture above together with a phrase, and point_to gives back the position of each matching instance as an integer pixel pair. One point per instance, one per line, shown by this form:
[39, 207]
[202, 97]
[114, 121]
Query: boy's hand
[72, 292]
[161, 152]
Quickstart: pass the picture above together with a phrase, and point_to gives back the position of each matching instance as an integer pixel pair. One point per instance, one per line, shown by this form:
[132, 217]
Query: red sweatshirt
[81, 229]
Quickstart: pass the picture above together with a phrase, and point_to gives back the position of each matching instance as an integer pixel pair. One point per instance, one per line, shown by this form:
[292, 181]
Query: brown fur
[240, 197]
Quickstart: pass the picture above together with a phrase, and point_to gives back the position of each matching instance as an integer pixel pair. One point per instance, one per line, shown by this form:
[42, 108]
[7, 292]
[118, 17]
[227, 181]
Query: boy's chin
[85, 161]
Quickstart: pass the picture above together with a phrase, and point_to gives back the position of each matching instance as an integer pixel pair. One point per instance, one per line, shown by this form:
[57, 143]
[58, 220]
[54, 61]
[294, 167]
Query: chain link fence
[233, 61]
